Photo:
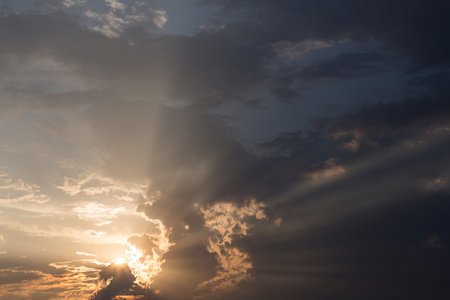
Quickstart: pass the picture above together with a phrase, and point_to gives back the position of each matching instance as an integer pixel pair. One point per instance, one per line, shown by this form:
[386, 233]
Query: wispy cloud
[16, 190]
[94, 184]
[64, 286]
[97, 211]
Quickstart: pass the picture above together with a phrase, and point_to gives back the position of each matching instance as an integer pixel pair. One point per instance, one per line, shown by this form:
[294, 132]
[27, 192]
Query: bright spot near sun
[119, 261]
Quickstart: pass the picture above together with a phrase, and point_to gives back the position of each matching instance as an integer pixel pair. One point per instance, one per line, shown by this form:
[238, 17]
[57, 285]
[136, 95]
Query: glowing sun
[119, 261]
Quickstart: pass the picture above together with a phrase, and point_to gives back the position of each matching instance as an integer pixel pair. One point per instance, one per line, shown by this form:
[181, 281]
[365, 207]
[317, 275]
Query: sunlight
[145, 254]
[119, 261]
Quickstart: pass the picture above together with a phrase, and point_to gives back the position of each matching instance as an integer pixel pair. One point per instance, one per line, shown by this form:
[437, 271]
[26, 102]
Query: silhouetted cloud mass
[116, 278]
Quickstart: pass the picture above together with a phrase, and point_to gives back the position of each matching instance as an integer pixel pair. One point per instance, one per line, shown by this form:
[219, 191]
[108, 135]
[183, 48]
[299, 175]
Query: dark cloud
[370, 127]
[186, 69]
[254, 103]
[376, 253]
[346, 66]
[179, 150]
[9, 276]
[121, 279]
[369, 229]
[281, 88]
[386, 124]
[413, 28]
[435, 83]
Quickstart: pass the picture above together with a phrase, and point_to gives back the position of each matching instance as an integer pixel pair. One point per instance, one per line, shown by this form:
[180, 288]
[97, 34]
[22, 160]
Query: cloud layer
[286, 149]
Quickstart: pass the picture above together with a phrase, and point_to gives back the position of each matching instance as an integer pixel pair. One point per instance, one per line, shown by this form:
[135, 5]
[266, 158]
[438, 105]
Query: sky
[224, 149]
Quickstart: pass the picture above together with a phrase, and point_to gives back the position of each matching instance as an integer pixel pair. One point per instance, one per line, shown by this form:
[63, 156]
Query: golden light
[119, 261]
[145, 260]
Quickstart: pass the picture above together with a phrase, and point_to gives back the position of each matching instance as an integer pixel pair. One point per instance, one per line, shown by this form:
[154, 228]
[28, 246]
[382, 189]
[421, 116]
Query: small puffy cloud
[225, 221]
[116, 5]
[441, 183]
[326, 169]
[160, 17]
[94, 184]
[109, 17]
[277, 222]
[118, 16]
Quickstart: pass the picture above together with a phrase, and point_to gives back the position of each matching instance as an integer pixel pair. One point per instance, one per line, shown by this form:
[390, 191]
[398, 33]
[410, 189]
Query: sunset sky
[224, 149]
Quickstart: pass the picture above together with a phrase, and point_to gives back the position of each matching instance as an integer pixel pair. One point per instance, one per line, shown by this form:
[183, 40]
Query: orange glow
[146, 263]
[119, 261]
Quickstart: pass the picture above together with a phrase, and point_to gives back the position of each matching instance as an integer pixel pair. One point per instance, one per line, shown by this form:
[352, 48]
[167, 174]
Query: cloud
[434, 241]
[411, 121]
[21, 283]
[145, 254]
[227, 221]
[112, 280]
[10, 276]
[295, 49]
[441, 183]
[433, 83]
[79, 266]
[140, 118]
[16, 191]
[95, 233]
[109, 17]
[179, 151]
[325, 169]
[346, 66]
[353, 20]
[169, 68]
[85, 254]
[72, 186]
[97, 211]
[385, 123]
